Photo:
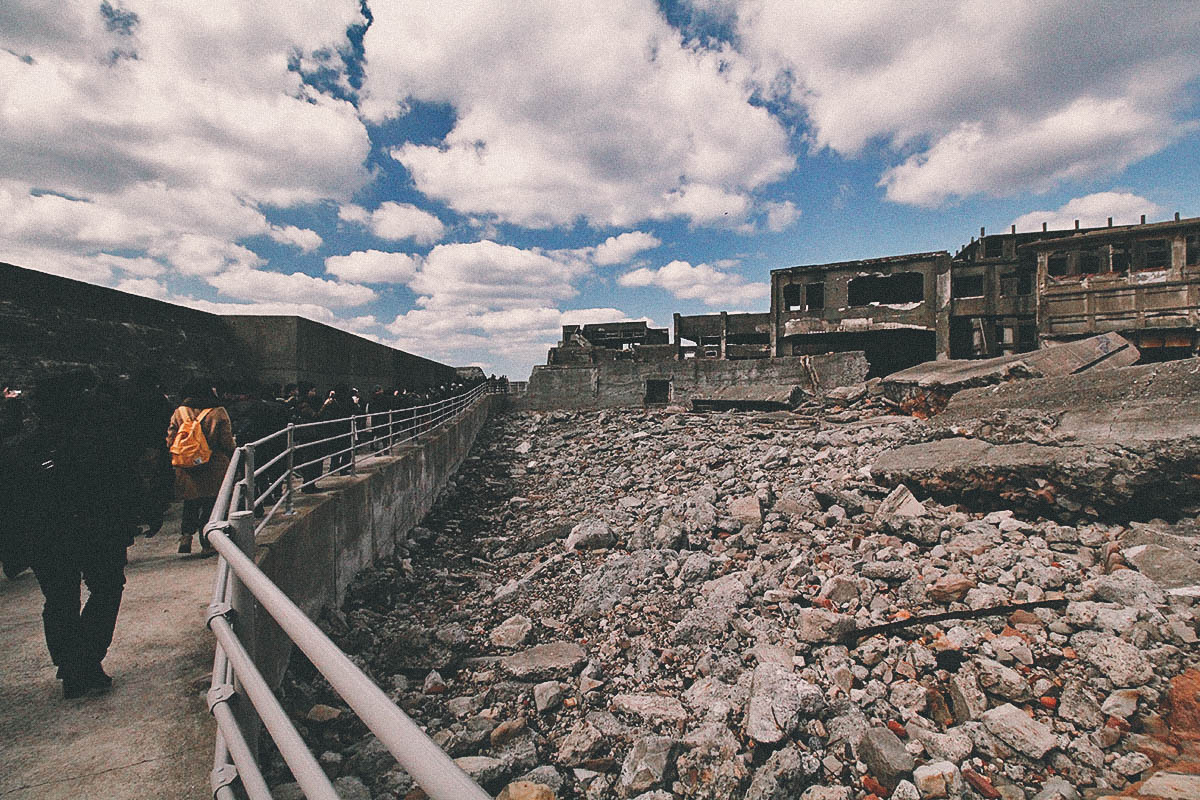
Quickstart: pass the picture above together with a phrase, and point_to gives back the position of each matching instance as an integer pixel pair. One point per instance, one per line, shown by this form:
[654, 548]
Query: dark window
[993, 247]
[814, 297]
[1057, 264]
[1089, 262]
[658, 391]
[1009, 284]
[1025, 283]
[905, 287]
[967, 285]
[1157, 254]
[1193, 249]
[792, 296]
[1026, 338]
[1120, 259]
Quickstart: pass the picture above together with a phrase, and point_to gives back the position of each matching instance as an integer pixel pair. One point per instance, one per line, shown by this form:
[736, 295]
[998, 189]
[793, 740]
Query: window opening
[1120, 258]
[1057, 265]
[899, 289]
[967, 285]
[1089, 262]
[1193, 250]
[993, 247]
[814, 297]
[1157, 254]
[658, 391]
[792, 299]
[1025, 283]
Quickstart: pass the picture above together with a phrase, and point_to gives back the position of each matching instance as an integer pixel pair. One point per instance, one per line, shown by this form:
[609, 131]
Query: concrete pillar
[724, 331]
[678, 341]
[1178, 256]
[775, 316]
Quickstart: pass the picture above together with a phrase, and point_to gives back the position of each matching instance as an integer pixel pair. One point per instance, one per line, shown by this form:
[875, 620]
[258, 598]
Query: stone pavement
[152, 737]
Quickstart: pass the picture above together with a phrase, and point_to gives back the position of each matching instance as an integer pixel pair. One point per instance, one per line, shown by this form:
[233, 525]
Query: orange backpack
[190, 448]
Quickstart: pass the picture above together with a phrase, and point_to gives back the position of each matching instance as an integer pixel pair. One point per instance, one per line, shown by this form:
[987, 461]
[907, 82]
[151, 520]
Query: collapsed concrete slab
[925, 389]
[1112, 443]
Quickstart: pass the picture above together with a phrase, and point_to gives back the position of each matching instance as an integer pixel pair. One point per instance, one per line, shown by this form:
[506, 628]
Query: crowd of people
[88, 465]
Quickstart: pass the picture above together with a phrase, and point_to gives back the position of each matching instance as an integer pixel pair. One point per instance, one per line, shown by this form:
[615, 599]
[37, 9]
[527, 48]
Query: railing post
[245, 610]
[291, 468]
[353, 443]
[248, 481]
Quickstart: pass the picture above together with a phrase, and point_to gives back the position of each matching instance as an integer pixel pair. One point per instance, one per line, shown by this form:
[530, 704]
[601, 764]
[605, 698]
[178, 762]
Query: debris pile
[657, 605]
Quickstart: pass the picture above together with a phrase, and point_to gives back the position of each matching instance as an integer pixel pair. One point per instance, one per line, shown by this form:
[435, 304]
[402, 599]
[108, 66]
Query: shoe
[98, 681]
[185, 543]
[74, 688]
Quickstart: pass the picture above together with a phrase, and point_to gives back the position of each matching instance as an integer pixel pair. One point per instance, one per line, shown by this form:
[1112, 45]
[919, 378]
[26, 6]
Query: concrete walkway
[152, 736]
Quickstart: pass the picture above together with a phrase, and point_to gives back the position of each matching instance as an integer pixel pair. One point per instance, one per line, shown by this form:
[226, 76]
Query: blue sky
[461, 179]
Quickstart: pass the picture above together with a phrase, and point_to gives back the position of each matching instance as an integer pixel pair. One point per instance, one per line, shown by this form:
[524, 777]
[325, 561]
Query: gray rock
[584, 741]
[1057, 789]
[820, 625]
[1121, 703]
[1013, 726]
[779, 700]
[485, 771]
[616, 580]
[840, 589]
[954, 745]
[547, 696]
[696, 567]
[885, 756]
[1115, 658]
[1132, 764]
[827, 793]
[544, 661]
[1076, 704]
[890, 571]
[1171, 786]
[649, 764]
[650, 707]
[900, 503]
[967, 700]
[350, 787]
[938, 779]
[746, 509]
[1127, 587]
[1001, 681]
[784, 775]
[591, 534]
[512, 632]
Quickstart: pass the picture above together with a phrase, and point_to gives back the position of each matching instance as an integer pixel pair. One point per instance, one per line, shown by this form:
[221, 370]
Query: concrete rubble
[656, 604]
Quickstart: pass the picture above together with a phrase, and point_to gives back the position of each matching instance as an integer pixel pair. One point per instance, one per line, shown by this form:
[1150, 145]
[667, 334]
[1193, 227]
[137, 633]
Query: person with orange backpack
[200, 438]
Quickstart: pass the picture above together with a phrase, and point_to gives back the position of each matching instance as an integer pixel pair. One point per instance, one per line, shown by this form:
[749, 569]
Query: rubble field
[659, 604]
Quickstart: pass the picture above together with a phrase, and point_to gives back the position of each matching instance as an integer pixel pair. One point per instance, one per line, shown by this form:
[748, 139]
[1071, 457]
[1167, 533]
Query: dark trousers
[194, 515]
[79, 640]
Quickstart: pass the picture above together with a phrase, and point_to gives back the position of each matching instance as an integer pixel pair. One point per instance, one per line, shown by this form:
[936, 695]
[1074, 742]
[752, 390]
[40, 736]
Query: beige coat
[204, 481]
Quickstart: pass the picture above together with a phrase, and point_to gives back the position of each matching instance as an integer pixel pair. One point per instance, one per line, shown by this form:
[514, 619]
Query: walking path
[152, 737]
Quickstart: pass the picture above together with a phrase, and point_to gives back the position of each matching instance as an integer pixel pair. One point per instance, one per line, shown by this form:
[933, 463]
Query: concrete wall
[315, 554]
[624, 383]
[291, 349]
[49, 324]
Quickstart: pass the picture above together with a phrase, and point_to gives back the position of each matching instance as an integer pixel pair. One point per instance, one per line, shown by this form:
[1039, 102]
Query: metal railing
[240, 698]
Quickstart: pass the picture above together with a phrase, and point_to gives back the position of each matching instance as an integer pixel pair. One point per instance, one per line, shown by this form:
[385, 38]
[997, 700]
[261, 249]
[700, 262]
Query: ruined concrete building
[1000, 295]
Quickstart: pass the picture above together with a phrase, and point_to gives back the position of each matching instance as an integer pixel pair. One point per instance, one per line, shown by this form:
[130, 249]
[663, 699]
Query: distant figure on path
[197, 484]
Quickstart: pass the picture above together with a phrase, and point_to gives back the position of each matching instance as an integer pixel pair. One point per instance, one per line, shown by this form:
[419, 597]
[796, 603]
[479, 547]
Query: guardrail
[295, 460]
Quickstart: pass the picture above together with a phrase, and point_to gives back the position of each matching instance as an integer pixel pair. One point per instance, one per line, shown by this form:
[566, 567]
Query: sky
[460, 179]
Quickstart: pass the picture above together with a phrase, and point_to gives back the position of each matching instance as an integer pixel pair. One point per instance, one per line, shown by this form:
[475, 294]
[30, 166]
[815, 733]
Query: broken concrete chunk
[779, 700]
[884, 754]
[544, 660]
[821, 625]
[650, 707]
[591, 534]
[900, 503]
[1016, 729]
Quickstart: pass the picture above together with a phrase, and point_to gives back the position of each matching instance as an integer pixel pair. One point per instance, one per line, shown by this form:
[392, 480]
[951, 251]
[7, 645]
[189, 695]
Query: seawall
[314, 554]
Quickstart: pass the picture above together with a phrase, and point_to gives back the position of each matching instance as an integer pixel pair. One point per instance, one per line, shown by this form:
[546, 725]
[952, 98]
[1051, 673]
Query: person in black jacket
[80, 518]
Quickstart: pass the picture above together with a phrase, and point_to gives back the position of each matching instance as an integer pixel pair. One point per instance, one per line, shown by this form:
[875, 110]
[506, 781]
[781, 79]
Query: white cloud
[373, 266]
[978, 101]
[780, 216]
[301, 238]
[1093, 211]
[568, 111]
[621, 248]
[700, 282]
[493, 275]
[185, 123]
[262, 286]
[396, 221]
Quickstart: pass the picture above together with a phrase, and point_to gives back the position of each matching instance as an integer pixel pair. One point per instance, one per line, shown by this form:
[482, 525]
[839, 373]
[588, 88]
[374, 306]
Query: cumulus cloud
[396, 221]
[130, 129]
[493, 275]
[621, 248]
[146, 287]
[373, 266]
[569, 111]
[703, 282]
[978, 102]
[301, 238]
[780, 216]
[1093, 211]
[263, 286]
